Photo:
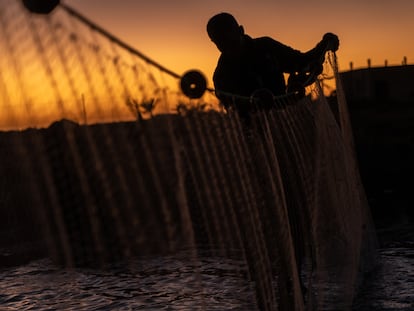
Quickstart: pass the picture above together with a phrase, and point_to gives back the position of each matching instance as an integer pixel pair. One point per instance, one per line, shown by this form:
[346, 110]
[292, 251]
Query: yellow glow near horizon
[71, 72]
[173, 35]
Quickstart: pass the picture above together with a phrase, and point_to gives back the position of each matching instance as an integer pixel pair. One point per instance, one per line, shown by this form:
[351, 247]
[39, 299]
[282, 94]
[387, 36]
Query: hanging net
[61, 66]
[153, 199]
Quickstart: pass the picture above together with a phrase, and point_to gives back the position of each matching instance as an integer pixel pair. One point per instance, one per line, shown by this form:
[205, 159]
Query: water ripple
[391, 285]
[171, 283]
[153, 284]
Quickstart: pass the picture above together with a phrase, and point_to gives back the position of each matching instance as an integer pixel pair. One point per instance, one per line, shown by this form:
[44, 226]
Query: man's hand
[332, 41]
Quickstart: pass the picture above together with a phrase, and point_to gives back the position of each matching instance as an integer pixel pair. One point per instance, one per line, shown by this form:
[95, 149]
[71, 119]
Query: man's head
[225, 32]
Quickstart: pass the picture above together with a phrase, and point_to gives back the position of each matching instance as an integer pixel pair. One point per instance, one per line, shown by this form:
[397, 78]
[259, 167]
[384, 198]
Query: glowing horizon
[174, 33]
[56, 68]
[178, 42]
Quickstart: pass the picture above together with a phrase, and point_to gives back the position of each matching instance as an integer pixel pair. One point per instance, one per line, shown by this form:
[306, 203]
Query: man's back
[247, 65]
[255, 67]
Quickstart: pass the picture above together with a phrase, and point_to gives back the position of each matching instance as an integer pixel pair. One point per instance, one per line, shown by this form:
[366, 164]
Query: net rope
[117, 164]
[59, 66]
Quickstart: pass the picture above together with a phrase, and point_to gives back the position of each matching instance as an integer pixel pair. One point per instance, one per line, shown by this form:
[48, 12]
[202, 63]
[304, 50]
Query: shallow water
[181, 283]
[391, 285]
[170, 283]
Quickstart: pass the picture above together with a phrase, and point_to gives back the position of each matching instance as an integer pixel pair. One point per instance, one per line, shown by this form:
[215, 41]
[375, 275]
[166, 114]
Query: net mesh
[57, 66]
[281, 194]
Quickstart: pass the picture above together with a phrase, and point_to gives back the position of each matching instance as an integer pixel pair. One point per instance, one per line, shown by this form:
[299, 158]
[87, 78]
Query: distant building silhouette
[389, 83]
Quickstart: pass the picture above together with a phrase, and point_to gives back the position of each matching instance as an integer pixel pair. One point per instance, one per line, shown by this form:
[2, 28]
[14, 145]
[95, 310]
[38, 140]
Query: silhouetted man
[248, 64]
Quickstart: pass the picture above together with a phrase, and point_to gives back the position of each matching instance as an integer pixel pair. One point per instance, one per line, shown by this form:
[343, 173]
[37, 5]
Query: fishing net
[59, 66]
[105, 161]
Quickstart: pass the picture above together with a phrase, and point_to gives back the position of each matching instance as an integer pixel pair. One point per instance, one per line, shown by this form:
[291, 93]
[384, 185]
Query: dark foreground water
[170, 283]
[167, 283]
[390, 286]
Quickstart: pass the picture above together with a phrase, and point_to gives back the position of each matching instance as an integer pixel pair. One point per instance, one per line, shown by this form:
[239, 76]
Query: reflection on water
[391, 285]
[168, 283]
[178, 283]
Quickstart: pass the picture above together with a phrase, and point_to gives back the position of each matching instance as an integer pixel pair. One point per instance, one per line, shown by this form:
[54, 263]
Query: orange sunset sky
[173, 32]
